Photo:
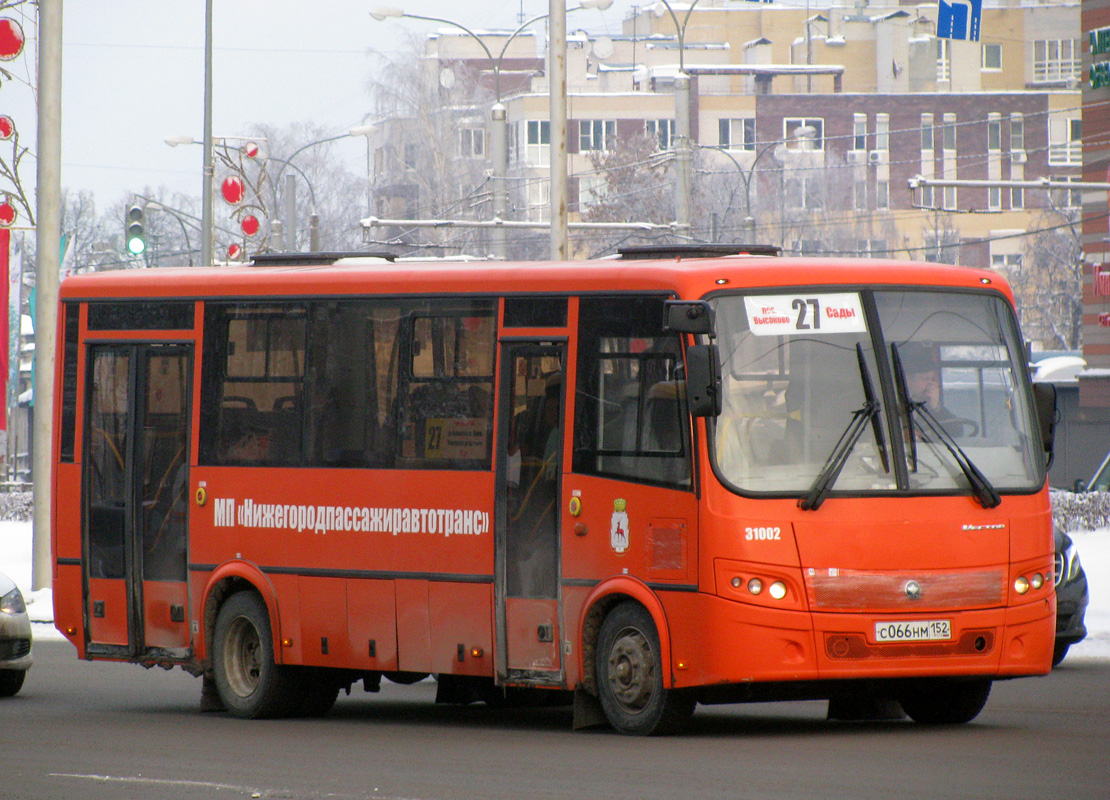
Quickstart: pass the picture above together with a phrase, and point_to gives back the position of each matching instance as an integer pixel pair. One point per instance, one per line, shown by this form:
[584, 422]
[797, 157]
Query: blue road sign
[959, 19]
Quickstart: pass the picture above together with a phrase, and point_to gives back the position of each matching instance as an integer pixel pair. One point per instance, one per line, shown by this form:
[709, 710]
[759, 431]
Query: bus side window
[630, 407]
[254, 367]
[445, 416]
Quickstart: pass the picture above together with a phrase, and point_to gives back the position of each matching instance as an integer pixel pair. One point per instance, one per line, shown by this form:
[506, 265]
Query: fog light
[1021, 585]
[737, 582]
[755, 586]
[1037, 581]
[777, 590]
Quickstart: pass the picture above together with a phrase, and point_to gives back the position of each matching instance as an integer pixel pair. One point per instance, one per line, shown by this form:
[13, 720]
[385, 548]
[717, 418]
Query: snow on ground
[1093, 546]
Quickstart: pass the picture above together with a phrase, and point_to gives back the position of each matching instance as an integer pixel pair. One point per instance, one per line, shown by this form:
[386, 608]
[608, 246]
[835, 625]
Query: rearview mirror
[703, 380]
[687, 316]
[1044, 398]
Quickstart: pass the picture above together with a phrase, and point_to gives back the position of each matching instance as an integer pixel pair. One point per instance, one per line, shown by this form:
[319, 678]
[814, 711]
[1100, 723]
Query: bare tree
[432, 164]
[1048, 283]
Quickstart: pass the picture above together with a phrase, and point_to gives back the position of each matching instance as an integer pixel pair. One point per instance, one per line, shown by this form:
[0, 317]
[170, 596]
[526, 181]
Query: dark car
[1071, 596]
[15, 638]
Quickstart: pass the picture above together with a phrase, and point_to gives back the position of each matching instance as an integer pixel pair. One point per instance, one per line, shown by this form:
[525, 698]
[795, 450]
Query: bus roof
[688, 278]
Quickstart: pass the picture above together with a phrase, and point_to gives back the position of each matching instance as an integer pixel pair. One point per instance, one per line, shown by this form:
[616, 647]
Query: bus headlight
[1037, 581]
[1021, 585]
[755, 586]
[777, 590]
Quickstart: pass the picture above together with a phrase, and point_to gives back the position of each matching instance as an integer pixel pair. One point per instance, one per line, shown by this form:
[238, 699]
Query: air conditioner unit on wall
[876, 157]
[1019, 157]
[857, 156]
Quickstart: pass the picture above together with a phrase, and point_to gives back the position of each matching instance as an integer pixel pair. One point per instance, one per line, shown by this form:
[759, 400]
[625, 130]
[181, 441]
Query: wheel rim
[243, 657]
[632, 670]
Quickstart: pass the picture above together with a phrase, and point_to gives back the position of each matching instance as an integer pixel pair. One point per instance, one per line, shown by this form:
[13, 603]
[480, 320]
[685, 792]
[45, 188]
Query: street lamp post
[683, 147]
[803, 134]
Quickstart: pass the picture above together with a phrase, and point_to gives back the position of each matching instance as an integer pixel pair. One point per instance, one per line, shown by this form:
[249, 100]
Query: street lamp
[803, 134]
[684, 154]
[499, 137]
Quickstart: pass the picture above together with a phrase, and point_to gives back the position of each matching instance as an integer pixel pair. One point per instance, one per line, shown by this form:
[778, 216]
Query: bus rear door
[135, 485]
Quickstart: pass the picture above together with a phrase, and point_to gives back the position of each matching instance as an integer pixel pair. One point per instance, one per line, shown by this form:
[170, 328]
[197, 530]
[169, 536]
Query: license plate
[921, 630]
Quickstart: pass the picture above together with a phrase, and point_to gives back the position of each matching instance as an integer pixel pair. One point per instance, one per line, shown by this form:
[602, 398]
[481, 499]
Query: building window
[859, 131]
[472, 143]
[1055, 60]
[949, 132]
[537, 140]
[927, 143]
[591, 190]
[804, 133]
[1017, 198]
[994, 133]
[596, 134]
[737, 134]
[1006, 262]
[928, 197]
[859, 195]
[539, 131]
[994, 198]
[882, 132]
[882, 195]
[1067, 199]
[949, 198]
[871, 247]
[1017, 133]
[803, 193]
[992, 58]
[944, 61]
[1065, 141]
[412, 152]
[662, 130]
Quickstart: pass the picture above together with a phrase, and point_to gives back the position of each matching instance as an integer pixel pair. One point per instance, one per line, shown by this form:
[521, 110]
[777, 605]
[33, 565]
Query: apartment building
[807, 123]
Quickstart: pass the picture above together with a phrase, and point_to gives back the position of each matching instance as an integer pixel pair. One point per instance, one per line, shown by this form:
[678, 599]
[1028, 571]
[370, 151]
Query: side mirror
[1079, 486]
[703, 380]
[688, 316]
[1044, 398]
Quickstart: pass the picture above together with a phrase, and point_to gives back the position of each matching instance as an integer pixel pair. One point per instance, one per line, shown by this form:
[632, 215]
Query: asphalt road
[100, 730]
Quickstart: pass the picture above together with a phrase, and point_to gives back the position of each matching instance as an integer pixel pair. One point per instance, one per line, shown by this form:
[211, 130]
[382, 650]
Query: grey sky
[133, 75]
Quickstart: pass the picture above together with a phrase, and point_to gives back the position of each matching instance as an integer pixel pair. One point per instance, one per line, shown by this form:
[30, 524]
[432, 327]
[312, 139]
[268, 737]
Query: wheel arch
[226, 580]
[605, 596]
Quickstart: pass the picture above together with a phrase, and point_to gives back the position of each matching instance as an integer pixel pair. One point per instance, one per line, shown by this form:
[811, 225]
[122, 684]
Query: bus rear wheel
[941, 701]
[249, 683]
[630, 676]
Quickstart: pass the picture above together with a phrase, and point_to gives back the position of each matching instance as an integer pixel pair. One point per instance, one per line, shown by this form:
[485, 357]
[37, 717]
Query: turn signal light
[1021, 585]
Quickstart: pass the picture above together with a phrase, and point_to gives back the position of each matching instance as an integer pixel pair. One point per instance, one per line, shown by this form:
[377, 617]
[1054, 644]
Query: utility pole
[207, 250]
[48, 241]
[557, 89]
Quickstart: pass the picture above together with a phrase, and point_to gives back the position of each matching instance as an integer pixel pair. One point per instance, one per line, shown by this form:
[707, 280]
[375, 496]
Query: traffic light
[136, 229]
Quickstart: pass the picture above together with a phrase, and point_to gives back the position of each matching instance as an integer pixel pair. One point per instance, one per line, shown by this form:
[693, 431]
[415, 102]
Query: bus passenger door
[136, 461]
[530, 445]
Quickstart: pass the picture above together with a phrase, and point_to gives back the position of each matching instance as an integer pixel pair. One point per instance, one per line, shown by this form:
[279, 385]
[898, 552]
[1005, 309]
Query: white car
[15, 638]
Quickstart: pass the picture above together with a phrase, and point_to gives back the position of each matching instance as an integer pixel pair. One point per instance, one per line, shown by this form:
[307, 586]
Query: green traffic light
[135, 245]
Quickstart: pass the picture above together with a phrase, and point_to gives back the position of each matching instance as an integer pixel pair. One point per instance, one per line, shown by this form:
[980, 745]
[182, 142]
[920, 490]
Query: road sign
[959, 19]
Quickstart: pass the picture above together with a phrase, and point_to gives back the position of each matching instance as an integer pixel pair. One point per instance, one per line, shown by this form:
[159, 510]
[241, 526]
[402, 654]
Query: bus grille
[852, 590]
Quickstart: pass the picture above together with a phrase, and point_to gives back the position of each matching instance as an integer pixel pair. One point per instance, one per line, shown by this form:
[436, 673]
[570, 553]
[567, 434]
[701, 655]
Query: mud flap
[587, 710]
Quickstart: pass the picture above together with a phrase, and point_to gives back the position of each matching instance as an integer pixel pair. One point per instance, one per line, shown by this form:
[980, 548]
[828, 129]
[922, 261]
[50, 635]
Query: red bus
[636, 484]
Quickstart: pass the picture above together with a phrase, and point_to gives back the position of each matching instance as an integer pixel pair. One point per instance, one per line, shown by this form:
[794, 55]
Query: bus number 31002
[762, 534]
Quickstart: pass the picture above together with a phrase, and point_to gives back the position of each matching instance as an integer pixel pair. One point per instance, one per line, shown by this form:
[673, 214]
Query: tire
[11, 681]
[630, 676]
[941, 701]
[1059, 653]
[248, 681]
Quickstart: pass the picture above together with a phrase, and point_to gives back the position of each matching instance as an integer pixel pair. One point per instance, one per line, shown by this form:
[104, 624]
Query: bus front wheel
[630, 676]
[249, 683]
[941, 701]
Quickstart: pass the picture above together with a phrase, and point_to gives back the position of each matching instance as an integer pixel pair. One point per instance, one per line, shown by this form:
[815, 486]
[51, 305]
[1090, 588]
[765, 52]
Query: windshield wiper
[843, 448]
[985, 492]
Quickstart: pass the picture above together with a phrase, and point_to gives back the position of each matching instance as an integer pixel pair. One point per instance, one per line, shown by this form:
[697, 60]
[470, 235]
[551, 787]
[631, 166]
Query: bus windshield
[872, 392]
